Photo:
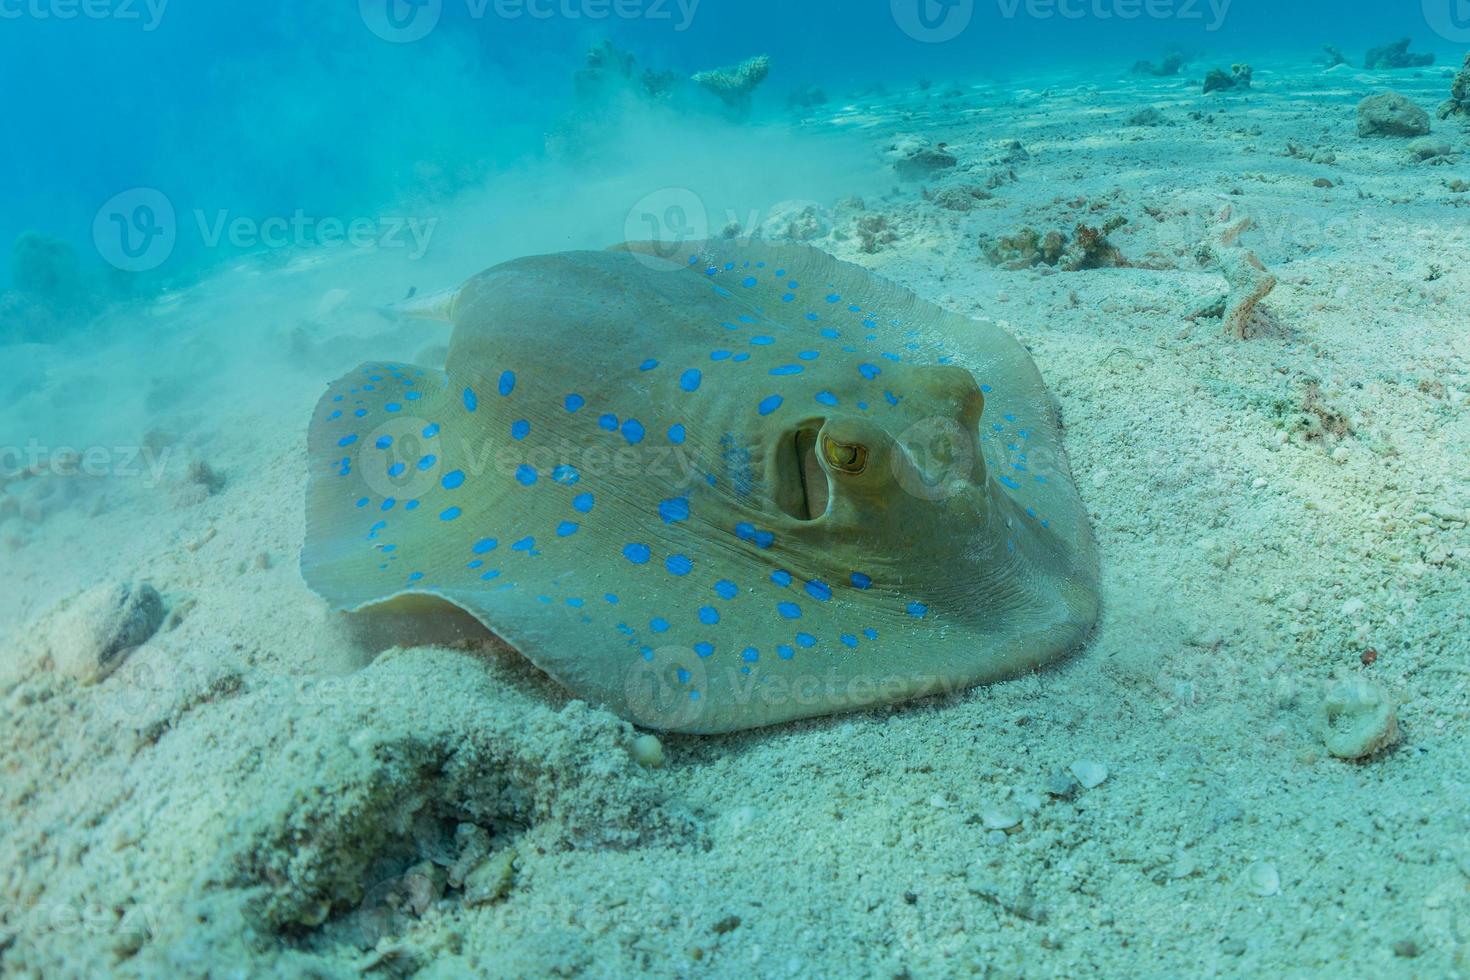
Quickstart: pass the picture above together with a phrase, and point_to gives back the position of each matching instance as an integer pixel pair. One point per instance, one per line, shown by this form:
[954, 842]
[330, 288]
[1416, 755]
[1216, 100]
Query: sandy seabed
[262, 789]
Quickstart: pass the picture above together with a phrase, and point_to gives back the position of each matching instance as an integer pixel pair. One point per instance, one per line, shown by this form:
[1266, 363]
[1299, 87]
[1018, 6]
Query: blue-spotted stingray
[741, 485]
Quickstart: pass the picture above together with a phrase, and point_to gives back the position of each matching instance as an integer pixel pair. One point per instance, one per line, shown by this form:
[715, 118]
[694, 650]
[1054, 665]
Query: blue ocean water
[279, 109]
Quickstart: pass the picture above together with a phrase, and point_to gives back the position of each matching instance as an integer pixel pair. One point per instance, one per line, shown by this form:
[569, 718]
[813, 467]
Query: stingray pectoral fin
[376, 456]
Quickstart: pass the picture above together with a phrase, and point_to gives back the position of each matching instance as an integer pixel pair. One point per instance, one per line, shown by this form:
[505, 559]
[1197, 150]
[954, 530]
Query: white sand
[258, 767]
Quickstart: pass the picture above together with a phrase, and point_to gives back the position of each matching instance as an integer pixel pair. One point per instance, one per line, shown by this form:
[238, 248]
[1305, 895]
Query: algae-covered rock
[1459, 101]
[1238, 80]
[1392, 115]
[1396, 55]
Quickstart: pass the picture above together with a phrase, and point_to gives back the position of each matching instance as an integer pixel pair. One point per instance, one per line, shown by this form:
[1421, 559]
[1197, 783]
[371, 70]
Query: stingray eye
[845, 457]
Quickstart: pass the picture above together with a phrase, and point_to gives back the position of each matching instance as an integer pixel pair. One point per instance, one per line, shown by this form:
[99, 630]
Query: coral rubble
[1396, 55]
[1249, 280]
[1238, 79]
[1168, 68]
[1087, 248]
[1459, 101]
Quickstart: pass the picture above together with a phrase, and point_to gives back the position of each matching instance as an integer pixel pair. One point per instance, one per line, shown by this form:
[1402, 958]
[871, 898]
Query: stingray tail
[430, 306]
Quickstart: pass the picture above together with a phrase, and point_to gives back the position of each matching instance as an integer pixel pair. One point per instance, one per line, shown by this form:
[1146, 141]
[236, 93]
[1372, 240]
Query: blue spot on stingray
[674, 510]
[917, 610]
[829, 333]
[360, 413]
[704, 649]
[346, 440]
[834, 298]
[427, 462]
[611, 599]
[726, 589]
[451, 514]
[638, 554]
[787, 369]
[762, 341]
[393, 407]
[788, 297]
[740, 358]
[789, 610]
[453, 480]
[785, 652]
[764, 539]
[819, 590]
[485, 546]
[848, 640]
[388, 504]
[575, 402]
[567, 528]
[383, 442]
[431, 430]
[648, 365]
[507, 382]
[1010, 483]
[745, 531]
[520, 429]
[413, 396]
[411, 505]
[679, 564]
[769, 405]
[986, 388]
[750, 655]
[658, 624]
[362, 502]
[582, 503]
[805, 640]
[526, 475]
[709, 615]
[633, 431]
[416, 576]
[870, 633]
[890, 397]
[397, 469]
[809, 355]
[826, 398]
[869, 371]
[860, 581]
[748, 281]
[719, 355]
[525, 544]
[608, 422]
[677, 434]
[566, 475]
[646, 652]
[471, 401]
[690, 379]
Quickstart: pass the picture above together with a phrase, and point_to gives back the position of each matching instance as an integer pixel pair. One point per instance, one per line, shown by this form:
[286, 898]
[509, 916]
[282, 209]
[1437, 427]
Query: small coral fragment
[1459, 102]
[1249, 280]
[1396, 55]
[1239, 79]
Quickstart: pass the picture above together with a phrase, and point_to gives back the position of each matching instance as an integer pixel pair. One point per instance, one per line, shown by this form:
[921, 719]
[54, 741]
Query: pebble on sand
[94, 632]
[648, 752]
[1090, 774]
[1391, 114]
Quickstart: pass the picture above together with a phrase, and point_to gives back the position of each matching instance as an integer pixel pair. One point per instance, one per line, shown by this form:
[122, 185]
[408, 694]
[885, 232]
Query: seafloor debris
[1391, 114]
[1147, 117]
[915, 159]
[1247, 276]
[1238, 79]
[1332, 56]
[1425, 148]
[94, 632]
[796, 221]
[1357, 718]
[1173, 62]
[734, 85]
[1087, 248]
[1396, 55]
[963, 197]
[610, 66]
[1459, 101]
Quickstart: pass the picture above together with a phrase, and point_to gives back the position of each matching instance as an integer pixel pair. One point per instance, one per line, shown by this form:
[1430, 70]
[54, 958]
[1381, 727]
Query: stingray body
[729, 488]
